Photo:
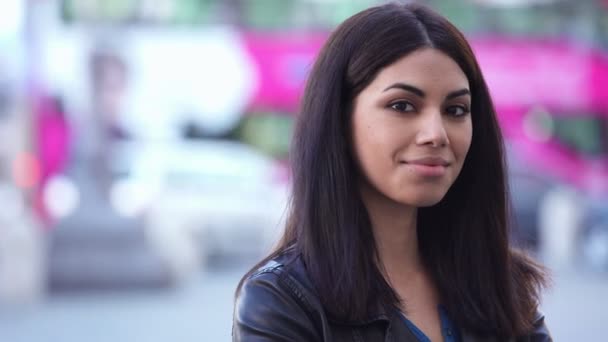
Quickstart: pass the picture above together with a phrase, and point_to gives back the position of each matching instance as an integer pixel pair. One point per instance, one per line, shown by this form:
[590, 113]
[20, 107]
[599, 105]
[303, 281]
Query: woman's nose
[431, 130]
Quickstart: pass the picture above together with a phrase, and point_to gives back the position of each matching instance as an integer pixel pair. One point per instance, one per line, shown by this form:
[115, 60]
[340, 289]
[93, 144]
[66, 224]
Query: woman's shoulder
[275, 301]
[285, 264]
[286, 268]
[540, 332]
[271, 269]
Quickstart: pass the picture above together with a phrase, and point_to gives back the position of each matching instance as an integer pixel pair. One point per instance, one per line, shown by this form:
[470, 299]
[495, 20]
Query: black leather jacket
[278, 303]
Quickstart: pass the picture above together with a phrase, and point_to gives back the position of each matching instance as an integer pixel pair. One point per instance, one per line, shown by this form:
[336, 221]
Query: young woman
[398, 225]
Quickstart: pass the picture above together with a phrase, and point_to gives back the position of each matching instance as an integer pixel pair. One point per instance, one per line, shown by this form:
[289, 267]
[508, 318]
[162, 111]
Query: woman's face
[412, 128]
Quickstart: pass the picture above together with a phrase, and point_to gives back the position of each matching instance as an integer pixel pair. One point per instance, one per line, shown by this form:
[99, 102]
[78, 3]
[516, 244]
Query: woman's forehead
[427, 68]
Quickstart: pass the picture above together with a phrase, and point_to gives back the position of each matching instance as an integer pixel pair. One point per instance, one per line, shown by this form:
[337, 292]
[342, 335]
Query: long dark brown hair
[486, 286]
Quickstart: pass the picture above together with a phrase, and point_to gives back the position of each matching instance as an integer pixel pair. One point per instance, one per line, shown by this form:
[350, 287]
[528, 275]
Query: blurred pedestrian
[398, 225]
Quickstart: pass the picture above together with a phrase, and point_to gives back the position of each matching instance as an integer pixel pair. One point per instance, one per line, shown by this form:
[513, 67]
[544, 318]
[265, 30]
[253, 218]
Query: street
[201, 310]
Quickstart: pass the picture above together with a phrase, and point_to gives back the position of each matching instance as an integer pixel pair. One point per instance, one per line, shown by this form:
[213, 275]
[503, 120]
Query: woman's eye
[402, 106]
[457, 110]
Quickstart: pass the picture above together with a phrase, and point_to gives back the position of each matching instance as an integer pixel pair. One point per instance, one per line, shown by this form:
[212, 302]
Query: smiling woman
[412, 136]
[398, 226]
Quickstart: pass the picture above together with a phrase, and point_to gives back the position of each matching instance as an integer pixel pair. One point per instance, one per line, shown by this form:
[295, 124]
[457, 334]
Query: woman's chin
[428, 199]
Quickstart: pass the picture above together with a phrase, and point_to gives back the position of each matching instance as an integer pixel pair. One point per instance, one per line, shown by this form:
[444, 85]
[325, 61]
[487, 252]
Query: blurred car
[208, 197]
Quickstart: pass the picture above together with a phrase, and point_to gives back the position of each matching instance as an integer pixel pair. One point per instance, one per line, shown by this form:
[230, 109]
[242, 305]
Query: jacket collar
[294, 265]
[378, 314]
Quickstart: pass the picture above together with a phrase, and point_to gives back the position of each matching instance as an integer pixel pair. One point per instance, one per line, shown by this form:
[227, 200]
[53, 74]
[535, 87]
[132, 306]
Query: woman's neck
[394, 229]
[395, 233]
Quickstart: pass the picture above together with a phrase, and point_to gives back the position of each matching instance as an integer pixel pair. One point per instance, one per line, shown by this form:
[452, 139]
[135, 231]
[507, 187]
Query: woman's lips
[430, 161]
[428, 166]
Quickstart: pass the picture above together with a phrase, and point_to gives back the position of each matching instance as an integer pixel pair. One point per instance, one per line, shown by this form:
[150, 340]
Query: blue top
[448, 329]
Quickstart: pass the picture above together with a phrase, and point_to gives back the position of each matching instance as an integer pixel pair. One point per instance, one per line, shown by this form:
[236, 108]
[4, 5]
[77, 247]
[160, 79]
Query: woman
[398, 222]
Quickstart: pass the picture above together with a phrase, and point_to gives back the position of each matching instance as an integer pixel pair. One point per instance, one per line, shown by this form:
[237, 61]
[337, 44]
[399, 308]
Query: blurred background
[143, 163]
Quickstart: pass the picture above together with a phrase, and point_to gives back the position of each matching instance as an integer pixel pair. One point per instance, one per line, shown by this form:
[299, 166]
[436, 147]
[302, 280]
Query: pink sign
[283, 62]
[554, 75]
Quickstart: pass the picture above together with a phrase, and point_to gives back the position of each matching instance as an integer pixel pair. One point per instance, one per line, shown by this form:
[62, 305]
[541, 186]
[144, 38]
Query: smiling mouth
[427, 168]
[429, 161]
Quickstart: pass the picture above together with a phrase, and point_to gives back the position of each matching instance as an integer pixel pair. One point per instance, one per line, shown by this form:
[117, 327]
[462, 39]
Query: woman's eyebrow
[420, 93]
[406, 87]
[458, 93]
